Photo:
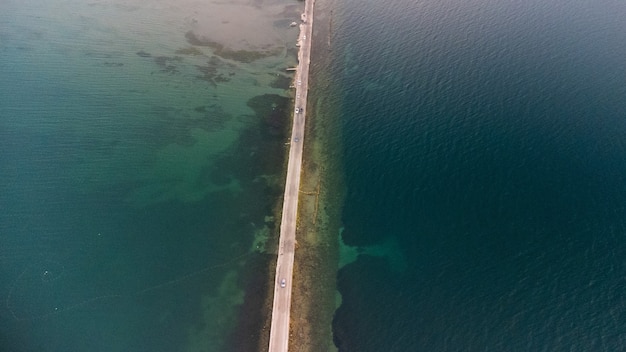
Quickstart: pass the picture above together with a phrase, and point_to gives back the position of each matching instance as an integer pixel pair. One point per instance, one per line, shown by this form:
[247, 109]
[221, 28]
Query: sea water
[142, 147]
[485, 163]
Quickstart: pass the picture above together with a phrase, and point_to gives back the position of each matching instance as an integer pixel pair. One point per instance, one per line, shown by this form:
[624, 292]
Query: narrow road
[279, 333]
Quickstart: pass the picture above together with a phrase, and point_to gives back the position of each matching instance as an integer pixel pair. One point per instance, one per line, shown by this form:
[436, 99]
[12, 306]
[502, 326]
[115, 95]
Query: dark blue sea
[485, 165]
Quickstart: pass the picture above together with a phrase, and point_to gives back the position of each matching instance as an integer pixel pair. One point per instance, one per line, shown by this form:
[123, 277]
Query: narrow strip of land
[279, 333]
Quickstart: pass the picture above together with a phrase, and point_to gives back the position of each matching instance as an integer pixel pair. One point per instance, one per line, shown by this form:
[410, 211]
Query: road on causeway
[279, 332]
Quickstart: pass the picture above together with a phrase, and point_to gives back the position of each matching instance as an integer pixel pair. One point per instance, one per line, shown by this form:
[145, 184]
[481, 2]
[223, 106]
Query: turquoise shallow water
[485, 165]
[139, 170]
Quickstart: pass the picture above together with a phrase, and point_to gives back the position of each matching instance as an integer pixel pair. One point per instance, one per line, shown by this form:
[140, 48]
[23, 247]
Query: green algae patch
[212, 75]
[215, 71]
[191, 51]
[167, 63]
[267, 103]
[142, 53]
[244, 56]
[274, 111]
[281, 82]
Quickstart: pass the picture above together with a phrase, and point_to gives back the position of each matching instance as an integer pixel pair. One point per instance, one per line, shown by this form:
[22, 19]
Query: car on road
[283, 283]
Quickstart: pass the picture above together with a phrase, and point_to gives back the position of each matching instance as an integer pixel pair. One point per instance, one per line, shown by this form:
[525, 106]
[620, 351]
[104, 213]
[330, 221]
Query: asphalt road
[279, 333]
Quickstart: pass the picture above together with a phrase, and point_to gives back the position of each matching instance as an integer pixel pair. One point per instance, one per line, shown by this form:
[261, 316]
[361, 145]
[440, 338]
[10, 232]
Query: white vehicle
[283, 283]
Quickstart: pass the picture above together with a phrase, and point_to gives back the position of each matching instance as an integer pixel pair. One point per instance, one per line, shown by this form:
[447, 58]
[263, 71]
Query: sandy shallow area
[244, 25]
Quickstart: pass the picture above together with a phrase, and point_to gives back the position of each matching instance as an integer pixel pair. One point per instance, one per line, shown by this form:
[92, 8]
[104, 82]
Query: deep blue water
[488, 140]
